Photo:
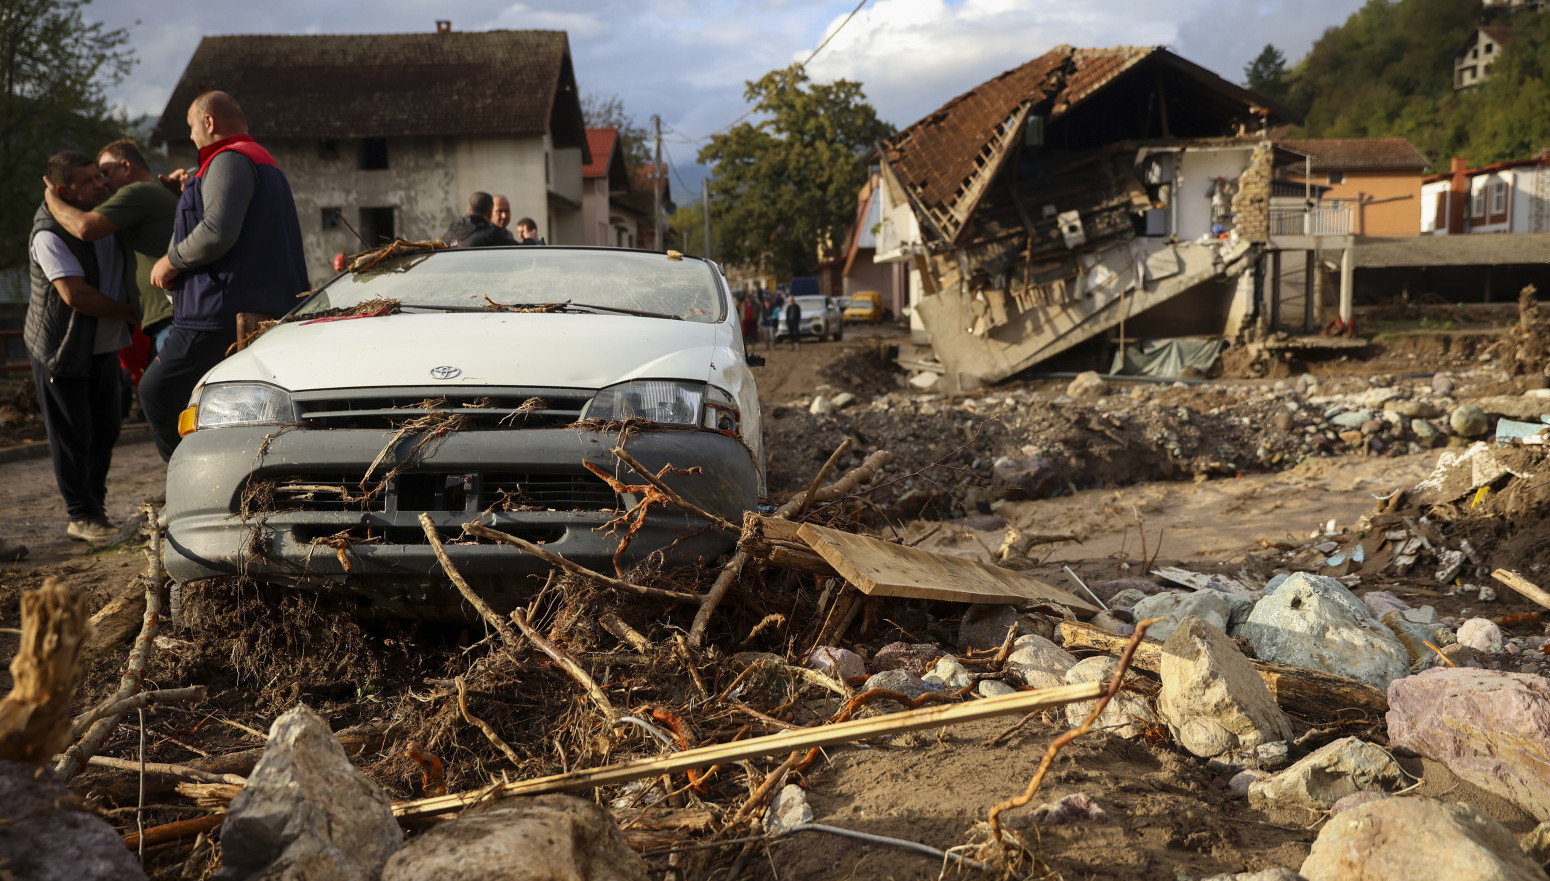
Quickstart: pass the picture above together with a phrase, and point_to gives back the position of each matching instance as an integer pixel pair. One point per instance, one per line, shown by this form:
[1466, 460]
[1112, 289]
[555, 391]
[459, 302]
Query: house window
[1477, 202]
[1498, 197]
[328, 148]
[546, 168]
[374, 154]
[1337, 177]
[377, 225]
[332, 219]
[1489, 47]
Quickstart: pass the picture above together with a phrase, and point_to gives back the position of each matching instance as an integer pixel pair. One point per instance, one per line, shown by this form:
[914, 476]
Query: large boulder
[984, 626]
[1213, 699]
[1314, 621]
[1087, 385]
[1224, 611]
[1329, 774]
[1489, 727]
[1029, 477]
[46, 834]
[916, 658]
[543, 838]
[1127, 715]
[306, 813]
[1038, 663]
[1406, 839]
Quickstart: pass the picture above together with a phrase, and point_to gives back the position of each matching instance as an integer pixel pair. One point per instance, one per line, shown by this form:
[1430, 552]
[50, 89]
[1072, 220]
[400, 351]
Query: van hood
[557, 350]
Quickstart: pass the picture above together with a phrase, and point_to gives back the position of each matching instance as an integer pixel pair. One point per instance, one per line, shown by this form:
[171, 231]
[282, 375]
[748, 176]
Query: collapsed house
[1083, 190]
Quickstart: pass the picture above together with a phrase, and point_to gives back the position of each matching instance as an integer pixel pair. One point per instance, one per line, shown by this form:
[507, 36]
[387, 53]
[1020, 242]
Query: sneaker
[93, 530]
[11, 551]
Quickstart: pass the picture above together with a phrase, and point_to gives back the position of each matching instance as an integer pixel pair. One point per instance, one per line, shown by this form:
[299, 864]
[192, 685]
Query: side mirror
[754, 360]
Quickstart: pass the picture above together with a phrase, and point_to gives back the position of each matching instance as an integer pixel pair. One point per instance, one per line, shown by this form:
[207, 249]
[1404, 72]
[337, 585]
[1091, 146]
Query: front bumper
[263, 502]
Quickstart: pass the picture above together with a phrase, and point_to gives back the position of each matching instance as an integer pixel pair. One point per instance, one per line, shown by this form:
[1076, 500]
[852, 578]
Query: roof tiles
[1352, 154]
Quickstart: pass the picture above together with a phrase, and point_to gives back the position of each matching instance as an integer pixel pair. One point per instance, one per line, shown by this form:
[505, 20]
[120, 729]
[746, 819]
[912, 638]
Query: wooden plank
[768, 745]
[785, 549]
[1201, 581]
[878, 568]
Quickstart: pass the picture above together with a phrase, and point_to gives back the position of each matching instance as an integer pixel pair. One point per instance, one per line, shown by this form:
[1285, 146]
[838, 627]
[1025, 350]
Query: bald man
[236, 247]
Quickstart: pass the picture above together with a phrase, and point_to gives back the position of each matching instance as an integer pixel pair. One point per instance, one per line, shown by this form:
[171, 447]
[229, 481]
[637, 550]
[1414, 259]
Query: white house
[1472, 62]
[391, 133]
[1505, 197]
[610, 220]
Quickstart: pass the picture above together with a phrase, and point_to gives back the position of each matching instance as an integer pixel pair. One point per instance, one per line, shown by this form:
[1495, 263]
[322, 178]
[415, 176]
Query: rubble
[1417, 838]
[1211, 698]
[1314, 621]
[1224, 611]
[1328, 774]
[1129, 714]
[47, 835]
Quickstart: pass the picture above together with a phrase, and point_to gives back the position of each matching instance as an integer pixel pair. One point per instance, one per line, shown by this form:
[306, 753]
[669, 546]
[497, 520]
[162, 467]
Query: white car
[821, 317]
[485, 384]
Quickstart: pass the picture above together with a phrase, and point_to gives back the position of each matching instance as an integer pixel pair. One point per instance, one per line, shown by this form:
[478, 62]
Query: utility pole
[656, 183]
[706, 206]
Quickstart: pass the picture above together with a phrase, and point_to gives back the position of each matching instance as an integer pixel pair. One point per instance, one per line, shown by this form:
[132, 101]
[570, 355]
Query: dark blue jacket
[264, 271]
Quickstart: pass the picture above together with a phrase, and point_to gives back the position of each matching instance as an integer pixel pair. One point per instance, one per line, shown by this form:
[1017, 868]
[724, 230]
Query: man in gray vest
[78, 317]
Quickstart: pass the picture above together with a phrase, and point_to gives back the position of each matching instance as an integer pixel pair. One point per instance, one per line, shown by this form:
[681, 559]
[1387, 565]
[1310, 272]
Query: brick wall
[1251, 205]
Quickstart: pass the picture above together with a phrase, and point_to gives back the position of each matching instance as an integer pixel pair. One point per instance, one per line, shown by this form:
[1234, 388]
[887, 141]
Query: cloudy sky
[688, 60]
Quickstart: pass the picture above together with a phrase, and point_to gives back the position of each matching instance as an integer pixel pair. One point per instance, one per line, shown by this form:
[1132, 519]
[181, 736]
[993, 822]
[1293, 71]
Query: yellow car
[864, 306]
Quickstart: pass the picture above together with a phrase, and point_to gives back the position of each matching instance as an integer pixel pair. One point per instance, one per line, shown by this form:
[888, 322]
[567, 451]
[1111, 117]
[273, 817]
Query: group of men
[114, 249]
[485, 225]
[762, 310]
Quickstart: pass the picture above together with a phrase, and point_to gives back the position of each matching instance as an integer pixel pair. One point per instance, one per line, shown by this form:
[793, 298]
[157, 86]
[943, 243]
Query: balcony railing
[1335, 219]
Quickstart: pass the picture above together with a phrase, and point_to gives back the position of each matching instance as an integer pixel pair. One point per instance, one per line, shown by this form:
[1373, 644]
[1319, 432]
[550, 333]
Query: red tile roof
[600, 142]
[1355, 154]
[487, 83]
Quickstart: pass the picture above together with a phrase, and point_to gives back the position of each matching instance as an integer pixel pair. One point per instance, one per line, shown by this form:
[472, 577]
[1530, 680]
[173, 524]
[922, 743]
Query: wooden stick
[577, 569]
[167, 770]
[773, 744]
[194, 693]
[489, 733]
[568, 664]
[474, 599]
[718, 591]
[828, 465]
[666, 490]
[1523, 585]
[173, 831]
[35, 715]
[624, 632]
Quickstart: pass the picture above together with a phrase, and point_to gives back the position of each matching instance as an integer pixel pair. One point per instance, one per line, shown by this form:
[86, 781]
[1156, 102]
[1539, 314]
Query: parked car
[821, 317]
[865, 306]
[469, 385]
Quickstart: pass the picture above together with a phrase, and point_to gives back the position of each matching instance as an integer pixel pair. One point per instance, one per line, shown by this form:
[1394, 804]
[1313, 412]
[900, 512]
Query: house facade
[862, 270]
[389, 134]
[610, 220]
[1377, 181]
[1505, 197]
[1472, 62]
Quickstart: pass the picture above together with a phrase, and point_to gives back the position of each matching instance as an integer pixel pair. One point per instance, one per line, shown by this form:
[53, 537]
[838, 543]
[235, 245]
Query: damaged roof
[462, 83]
[1357, 154]
[945, 159]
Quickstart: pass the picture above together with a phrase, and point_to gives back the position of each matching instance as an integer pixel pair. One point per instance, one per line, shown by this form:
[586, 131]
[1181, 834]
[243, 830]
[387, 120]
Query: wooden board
[878, 568]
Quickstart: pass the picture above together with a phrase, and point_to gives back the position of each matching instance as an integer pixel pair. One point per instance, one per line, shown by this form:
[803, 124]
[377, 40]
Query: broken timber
[878, 568]
[738, 750]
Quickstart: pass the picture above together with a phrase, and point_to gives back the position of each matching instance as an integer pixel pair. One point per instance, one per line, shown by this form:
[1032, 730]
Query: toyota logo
[445, 372]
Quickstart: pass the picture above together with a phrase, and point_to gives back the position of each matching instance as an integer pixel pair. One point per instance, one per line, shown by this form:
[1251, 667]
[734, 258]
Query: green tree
[607, 111]
[785, 187]
[55, 66]
[1266, 74]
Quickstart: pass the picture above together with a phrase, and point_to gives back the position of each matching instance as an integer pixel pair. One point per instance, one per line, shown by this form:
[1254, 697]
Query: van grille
[480, 408]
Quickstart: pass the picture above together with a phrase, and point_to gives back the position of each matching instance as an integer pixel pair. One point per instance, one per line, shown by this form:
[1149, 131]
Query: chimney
[443, 26]
[1458, 195]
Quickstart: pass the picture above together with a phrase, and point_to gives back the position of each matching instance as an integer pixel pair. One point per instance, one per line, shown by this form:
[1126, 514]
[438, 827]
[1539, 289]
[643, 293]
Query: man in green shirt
[143, 209]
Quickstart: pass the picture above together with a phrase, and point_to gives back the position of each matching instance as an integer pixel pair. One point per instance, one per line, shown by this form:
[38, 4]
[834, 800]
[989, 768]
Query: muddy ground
[1205, 477]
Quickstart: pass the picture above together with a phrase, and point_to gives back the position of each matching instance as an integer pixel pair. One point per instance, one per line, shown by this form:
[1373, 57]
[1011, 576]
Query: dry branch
[194, 693]
[568, 664]
[1523, 586]
[489, 733]
[672, 496]
[166, 769]
[624, 632]
[34, 717]
[723, 753]
[474, 599]
[173, 831]
[577, 569]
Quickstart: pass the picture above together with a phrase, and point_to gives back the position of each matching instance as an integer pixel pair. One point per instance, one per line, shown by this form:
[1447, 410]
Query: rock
[306, 812]
[1425, 431]
[1464, 656]
[1415, 838]
[788, 808]
[1468, 420]
[1382, 602]
[1277, 874]
[1112, 623]
[1314, 621]
[902, 681]
[1272, 756]
[1410, 409]
[984, 626]
[1356, 800]
[925, 381]
[992, 688]
[1032, 655]
[1352, 419]
[842, 400]
[1442, 386]
[837, 662]
[1213, 699]
[820, 406]
[47, 834]
[1242, 780]
[1328, 774]
[1074, 808]
[949, 674]
[1489, 728]
[1414, 628]
[1111, 591]
[916, 658]
[1029, 477]
[1480, 634]
[1127, 715]
[1224, 611]
[541, 838]
[1087, 385]
[1536, 844]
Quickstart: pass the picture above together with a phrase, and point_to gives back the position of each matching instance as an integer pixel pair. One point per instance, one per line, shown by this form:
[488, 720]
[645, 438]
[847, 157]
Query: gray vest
[60, 338]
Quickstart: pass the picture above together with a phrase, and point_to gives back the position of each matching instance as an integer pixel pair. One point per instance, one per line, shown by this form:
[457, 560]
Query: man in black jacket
[78, 317]
[474, 229]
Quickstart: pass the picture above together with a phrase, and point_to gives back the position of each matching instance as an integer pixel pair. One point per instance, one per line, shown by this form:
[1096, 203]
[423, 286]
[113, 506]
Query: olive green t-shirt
[144, 211]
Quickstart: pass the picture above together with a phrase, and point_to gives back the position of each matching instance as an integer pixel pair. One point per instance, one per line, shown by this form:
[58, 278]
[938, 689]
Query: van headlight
[666, 402]
[223, 404]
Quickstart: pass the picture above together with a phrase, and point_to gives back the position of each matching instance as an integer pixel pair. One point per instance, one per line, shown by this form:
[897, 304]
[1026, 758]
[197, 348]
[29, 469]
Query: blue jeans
[183, 359]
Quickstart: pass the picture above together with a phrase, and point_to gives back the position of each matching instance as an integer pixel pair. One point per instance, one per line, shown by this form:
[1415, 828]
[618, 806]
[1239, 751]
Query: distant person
[527, 232]
[772, 310]
[750, 312]
[794, 322]
[142, 209]
[78, 317]
[501, 216]
[236, 247]
[475, 229]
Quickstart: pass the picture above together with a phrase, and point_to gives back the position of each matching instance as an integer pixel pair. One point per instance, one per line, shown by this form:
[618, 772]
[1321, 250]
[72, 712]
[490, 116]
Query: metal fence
[1334, 219]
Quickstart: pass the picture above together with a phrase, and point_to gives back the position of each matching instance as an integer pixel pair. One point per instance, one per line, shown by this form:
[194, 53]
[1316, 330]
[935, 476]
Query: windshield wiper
[580, 307]
[572, 308]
